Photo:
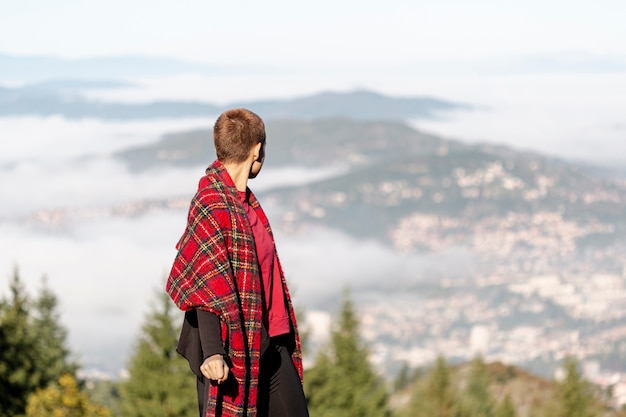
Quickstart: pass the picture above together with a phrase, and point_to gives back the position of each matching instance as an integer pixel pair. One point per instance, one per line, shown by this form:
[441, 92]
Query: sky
[321, 35]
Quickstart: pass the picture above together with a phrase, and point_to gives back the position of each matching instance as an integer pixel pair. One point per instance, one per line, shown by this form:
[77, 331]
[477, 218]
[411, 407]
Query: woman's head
[235, 133]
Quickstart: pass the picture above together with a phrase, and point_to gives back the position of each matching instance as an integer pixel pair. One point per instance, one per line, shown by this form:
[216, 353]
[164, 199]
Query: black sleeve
[210, 334]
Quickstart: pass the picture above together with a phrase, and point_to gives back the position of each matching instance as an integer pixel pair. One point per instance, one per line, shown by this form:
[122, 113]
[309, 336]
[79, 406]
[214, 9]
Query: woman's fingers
[215, 368]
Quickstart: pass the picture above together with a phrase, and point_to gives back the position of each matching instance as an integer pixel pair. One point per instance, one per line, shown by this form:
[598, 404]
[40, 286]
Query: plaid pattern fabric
[216, 269]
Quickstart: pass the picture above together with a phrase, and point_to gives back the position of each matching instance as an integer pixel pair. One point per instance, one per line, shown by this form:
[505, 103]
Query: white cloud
[106, 271]
[320, 263]
[104, 274]
[57, 163]
[94, 183]
[574, 116]
[57, 138]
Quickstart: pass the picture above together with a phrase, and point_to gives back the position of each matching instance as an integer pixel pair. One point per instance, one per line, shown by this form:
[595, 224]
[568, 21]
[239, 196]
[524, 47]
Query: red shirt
[276, 316]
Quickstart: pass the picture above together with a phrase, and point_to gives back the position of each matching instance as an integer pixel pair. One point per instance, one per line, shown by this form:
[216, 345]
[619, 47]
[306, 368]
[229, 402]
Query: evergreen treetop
[33, 352]
[342, 382]
[160, 382]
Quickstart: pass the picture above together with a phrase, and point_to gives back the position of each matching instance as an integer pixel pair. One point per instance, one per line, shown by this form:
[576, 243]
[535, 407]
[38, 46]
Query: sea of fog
[107, 270]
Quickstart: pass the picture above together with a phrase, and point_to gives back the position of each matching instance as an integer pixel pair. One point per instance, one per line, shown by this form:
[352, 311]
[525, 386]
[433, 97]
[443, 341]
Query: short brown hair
[235, 132]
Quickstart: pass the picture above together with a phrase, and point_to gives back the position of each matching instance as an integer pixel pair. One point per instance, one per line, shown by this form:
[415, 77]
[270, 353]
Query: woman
[239, 334]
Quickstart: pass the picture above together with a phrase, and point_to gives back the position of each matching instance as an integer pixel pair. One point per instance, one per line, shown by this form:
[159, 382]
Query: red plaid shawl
[216, 269]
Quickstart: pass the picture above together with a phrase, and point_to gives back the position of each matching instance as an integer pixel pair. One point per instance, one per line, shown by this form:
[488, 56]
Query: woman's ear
[258, 152]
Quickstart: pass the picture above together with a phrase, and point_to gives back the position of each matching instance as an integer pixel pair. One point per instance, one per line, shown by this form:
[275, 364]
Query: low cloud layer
[321, 263]
[54, 138]
[106, 273]
[576, 117]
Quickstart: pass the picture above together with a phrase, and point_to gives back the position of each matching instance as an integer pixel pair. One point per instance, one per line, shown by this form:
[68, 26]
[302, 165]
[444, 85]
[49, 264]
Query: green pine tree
[33, 352]
[342, 382]
[320, 387]
[477, 400]
[50, 350]
[506, 408]
[160, 382]
[435, 396]
[303, 331]
[574, 395]
[17, 363]
[403, 378]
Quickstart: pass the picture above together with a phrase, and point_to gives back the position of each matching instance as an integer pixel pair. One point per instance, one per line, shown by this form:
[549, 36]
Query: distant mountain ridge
[312, 143]
[51, 98]
[359, 104]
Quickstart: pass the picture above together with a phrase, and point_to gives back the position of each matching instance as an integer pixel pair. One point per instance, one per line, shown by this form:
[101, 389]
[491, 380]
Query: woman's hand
[215, 368]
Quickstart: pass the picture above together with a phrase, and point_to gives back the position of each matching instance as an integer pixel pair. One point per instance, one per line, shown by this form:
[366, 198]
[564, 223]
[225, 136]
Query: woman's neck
[239, 173]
